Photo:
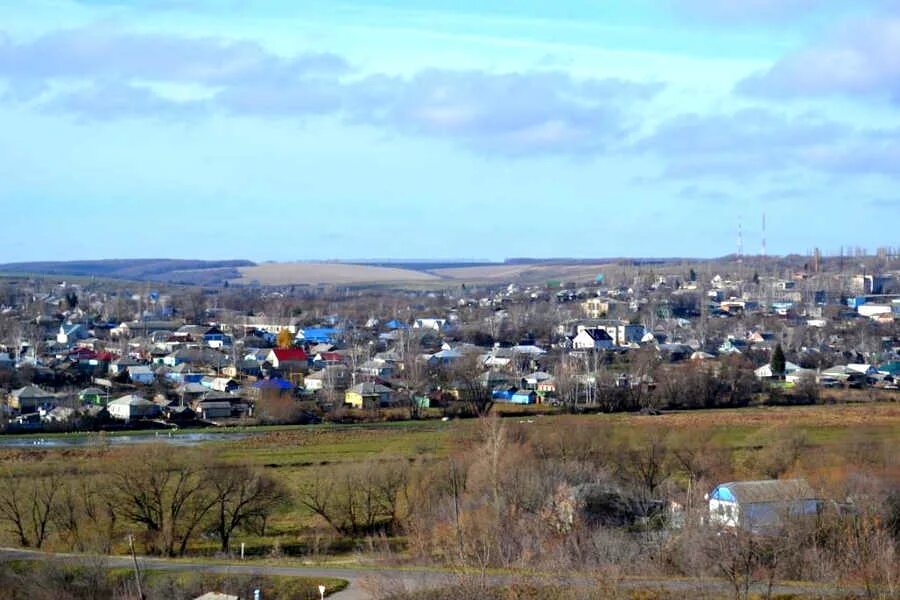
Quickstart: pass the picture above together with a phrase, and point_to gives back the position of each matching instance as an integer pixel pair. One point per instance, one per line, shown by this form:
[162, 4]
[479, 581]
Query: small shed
[524, 397]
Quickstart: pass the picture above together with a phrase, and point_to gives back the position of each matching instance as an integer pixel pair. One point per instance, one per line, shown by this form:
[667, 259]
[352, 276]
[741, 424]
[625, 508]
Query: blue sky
[288, 130]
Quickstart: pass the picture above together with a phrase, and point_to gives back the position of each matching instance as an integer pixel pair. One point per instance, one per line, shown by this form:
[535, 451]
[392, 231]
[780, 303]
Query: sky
[314, 130]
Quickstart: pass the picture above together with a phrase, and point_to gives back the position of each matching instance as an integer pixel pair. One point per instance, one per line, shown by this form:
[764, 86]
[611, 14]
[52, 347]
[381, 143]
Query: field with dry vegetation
[483, 494]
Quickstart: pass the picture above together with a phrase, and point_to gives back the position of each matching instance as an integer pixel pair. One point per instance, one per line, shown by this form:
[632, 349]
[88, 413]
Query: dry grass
[331, 273]
[838, 415]
[526, 273]
[335, 273]
[328, 274]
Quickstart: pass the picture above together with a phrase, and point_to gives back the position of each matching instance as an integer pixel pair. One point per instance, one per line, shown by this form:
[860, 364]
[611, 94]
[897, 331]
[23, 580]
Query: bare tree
[27, 506]
[242, 495]
[167, 494]
[359, 499]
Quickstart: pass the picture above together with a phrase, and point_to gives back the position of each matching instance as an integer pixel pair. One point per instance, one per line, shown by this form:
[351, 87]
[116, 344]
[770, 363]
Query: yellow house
[368, 395]
[595, 308]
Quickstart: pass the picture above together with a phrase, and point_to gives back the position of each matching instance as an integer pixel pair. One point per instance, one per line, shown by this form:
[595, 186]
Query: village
[526, 375]
[106, 356]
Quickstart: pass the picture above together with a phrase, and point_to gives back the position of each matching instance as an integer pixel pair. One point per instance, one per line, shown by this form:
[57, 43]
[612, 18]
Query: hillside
[328, 273]
[145, 269]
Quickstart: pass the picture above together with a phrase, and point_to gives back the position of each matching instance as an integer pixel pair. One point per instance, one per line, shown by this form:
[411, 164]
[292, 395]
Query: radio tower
[764, 235]
[740, 247]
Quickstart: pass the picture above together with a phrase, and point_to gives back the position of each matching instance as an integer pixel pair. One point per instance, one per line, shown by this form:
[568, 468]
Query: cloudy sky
[292, 129]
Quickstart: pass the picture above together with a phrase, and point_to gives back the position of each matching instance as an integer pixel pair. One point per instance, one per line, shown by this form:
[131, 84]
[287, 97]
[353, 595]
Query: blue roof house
[318, 335]
[761, 506]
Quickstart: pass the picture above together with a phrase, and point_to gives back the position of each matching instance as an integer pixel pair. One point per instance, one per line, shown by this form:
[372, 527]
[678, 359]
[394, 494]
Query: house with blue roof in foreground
[761, 506]
[318, 335]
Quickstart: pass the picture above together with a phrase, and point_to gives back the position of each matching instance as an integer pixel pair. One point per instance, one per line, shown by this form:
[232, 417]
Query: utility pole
[137, 569]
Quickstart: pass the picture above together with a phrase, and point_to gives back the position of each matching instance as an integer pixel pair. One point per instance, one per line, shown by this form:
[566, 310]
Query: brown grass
[328, 274]
[529, 273]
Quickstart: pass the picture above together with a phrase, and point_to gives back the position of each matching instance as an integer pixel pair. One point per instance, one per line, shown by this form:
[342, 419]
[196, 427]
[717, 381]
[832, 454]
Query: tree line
[164, 497]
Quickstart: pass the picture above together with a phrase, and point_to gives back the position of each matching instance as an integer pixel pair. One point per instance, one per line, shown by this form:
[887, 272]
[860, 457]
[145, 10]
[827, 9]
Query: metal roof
[771, 490]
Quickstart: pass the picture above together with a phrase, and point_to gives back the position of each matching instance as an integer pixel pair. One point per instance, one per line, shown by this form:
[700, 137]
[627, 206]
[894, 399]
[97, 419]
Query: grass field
[828, 440]
[328, 274]
[530, 273]
[334, 273]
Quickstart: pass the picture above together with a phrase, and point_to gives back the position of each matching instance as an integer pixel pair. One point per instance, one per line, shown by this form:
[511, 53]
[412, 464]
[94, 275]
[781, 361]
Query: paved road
[360, 578]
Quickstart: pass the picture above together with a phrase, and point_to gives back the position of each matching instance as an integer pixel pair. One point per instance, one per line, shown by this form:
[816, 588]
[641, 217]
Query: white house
[765, 371]
[271, 325]
[70, 333]
[132, 407]
[622, 332]
[592, 339]
[428, 323]
[874, 310]
[760, 506]
[862, 368]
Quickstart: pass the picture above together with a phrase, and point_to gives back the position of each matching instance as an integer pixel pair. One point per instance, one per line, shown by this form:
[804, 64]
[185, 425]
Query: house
[92, 395]
[592, 338]
[503, 393]
[444, 357]
[120, 366]
[497, 358]
[141, 374]
[765, 371]
[214, 337]
[275, 385]
[270, 325]
[70, 333]
[368, 395]
[60, 414]
[541, 382]
[29, 398]
[217, 596]
[131, 407]
[733, 345]
[220, 384]
[430, 323]
[377, 368]
[318, 335]
[595, 308]
[621, 332]
[188, 392]
[675, 352]
[213, 409]
[524, 397]
[322, 359]
[183, 373]
[761, 506]
[288, 359]
[332, 377]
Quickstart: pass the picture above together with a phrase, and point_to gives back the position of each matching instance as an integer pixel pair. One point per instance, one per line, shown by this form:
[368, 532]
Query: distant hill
[198, 272]
[437, 273]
